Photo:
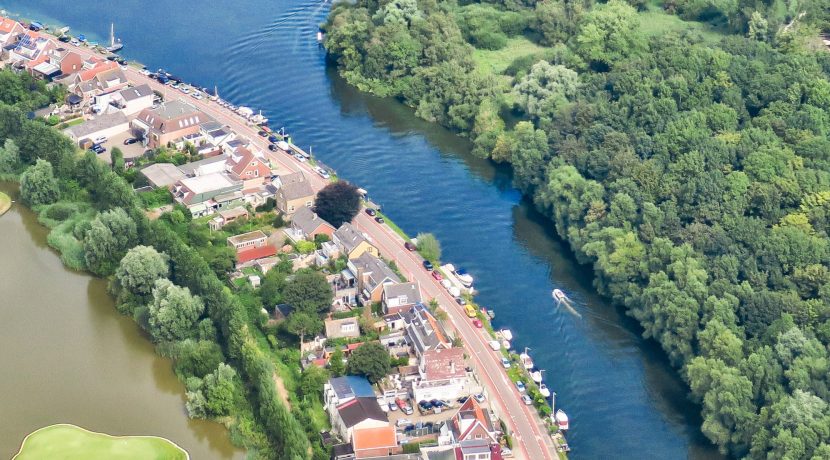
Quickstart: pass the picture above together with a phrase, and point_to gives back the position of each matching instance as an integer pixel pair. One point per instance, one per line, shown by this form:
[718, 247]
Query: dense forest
[681, 149]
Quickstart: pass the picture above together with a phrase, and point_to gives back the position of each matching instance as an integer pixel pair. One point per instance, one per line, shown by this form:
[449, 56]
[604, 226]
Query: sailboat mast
[112, 34]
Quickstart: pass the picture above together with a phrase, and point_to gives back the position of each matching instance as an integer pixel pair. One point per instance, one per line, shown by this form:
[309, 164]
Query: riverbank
[65, 441]
[5, 203]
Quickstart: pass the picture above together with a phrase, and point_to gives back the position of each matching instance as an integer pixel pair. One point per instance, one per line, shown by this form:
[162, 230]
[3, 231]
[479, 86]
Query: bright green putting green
[69, 442]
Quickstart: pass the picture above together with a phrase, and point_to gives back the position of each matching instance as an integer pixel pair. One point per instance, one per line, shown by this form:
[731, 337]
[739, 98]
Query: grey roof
[162, 174]
[348, 236]
[423, 330]
[360, 409]
[411, 290]
[173, 109]
[351, 386]
[307, 220]
[211, 125]
[190, 168]
[334, 328]
[296, 189]
[98, 124]
[375, 270]
[136, 92]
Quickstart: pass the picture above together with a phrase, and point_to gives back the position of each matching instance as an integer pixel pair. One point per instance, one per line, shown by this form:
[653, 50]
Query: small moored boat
[505, 344]
[559, 295]
[465, 278]
[527, 362]
[543, 389]
[507, 334]
[536, 376]
[561, 420]
[115, 46]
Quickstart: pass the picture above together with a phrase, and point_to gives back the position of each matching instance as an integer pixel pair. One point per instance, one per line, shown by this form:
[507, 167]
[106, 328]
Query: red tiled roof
[244, 163]
[89, 74]
[7, 25]
[255, 253]
[374, 438]
[442, 364]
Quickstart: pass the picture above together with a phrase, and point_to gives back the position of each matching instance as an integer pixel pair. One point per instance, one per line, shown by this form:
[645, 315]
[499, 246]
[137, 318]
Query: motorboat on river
[507, 334]
[536, 376]
[527, 362]
[543, 389]
[559, 295]
[561, 419]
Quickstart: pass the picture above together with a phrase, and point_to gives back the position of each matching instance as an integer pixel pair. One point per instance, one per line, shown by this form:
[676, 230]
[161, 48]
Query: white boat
[527, 362]
[506, 334]
[544, 390]
[561, 420]
[505, 344]
[259, 119]
[115, 46]
[246, 112]
[536, 376]
[559, 295]
[464, 277]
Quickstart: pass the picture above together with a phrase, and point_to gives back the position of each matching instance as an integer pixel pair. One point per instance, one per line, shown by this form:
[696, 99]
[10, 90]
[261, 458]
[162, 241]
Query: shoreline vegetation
[217, 338]
[5, 203]
[679, 147]
[66, 441]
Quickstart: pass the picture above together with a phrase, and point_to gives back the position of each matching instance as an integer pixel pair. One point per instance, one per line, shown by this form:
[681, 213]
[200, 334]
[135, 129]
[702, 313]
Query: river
[623, 398]
[69, 357]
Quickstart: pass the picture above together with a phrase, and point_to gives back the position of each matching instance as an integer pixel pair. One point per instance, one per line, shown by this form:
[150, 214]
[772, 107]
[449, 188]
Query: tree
[38, 184]
[429, 247]
[117, 161]
[302, 323]
[337, 203]
[336, 365]
[107, 240]
[271, 289]
[609, 33]
[370, 360]
[173, 311]
[140, 268]
[546, 88]
[312, 380]
[220, 390]
[9, 157]
[309, 292]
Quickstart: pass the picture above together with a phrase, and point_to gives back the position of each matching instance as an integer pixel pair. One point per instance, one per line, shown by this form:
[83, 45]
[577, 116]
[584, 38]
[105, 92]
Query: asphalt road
[529, 433]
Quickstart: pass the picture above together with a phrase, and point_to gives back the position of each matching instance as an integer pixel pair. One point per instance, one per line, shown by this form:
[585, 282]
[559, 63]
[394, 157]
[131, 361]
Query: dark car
[273, 138]
[370, 211]
[272, 147]
[130, 140]
[428, 265]
[379, 219]
[425, 406]
[437, 403]
[64, 38]
[409, 246]
[263, 133]
[460, 301]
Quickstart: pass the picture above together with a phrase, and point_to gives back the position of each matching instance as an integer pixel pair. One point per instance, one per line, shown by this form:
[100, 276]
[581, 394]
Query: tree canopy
[370, 360]
[309, 292]
[337, 203]
[140, 268]
[37, 184]
[173, 311]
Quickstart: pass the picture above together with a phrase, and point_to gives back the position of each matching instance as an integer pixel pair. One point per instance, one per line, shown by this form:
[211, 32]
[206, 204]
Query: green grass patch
[394, 226]
[655, 22]
[65, 442]
[5, 203]
[496, 61]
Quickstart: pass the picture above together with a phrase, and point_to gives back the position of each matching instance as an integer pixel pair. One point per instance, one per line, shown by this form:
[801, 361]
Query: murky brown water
[67, 356]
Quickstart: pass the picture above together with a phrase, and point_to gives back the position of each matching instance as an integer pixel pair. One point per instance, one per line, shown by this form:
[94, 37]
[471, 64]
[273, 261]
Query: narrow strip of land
[5, 203]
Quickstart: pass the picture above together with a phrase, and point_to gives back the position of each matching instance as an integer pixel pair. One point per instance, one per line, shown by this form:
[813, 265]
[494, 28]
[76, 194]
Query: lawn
[496, 61]
[656, 22]
[69, 442]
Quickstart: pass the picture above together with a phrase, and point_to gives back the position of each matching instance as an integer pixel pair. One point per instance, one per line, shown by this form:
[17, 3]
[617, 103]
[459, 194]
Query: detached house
[168, 122]
[441, 375]
[353, 243]
[473, 433]
[400, 297]
[371, 275]
[375, 442]
[423, 331]
[249, 168]
[202, 195]
[352, 405]
[251, 246]
[294, 192]
[30, 50]
[339, 328]
[306, 225]
[10, 32]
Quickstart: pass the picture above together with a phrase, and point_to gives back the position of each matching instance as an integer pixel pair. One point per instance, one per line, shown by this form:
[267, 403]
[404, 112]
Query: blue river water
[623, 398]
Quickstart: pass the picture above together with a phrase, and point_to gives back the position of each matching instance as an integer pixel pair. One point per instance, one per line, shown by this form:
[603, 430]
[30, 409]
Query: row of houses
[357, 417]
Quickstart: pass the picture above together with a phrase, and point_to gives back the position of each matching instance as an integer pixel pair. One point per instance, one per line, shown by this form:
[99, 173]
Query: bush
[60, 211]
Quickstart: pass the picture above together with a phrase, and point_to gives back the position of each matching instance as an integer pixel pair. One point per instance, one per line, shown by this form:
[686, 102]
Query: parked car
[506, 452]
[424, 406]
[393, 407]
[505, 363]
[409, 246]
[437, 276]
[526, 399]
[479, 397]
[322, 172]
[274, 139]
[461, 400]
[428, 265]
[379, 219]
[477, 323]
[446, 283]
[405, 408]
[403, 421]
[263, 133]
[460, 301]
[371, 211]
[437, 403]
[272, 147]
[301, 158]
[100, 139]
[130, 140]
[520, 386]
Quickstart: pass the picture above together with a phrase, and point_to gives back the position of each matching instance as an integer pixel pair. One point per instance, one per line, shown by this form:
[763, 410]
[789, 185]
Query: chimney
[452, 367]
